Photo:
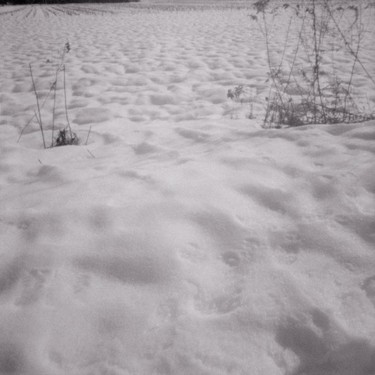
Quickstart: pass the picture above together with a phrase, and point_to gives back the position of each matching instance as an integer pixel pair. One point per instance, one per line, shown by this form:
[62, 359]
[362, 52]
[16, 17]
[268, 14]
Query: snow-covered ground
[183, 238]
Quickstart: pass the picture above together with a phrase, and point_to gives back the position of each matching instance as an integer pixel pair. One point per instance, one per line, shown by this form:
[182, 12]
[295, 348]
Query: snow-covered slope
[183, 238]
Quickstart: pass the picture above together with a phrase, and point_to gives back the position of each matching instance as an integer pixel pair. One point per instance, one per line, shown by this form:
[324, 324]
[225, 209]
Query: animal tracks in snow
[368, 286]
[33, 286]
[320, 343]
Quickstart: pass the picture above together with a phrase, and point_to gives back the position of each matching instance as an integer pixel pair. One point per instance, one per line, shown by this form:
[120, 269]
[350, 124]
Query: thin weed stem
[38, 115]
[88, 135]
[347, 44]
[66, 106]
[53, 110]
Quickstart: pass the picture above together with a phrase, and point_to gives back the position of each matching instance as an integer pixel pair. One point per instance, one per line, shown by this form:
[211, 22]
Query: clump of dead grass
[62, 135]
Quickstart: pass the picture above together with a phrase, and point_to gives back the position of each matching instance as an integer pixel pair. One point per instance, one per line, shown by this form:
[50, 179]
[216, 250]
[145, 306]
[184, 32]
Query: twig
[272, 75]
[39, 116]
[90, 153]
[24, 128]
[53, 110]
[347, 44]
[66, 106]
[316, 70]
[32, 118]
[88, 135]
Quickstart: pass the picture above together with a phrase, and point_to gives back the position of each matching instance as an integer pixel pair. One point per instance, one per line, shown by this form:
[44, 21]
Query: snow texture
[181, 239]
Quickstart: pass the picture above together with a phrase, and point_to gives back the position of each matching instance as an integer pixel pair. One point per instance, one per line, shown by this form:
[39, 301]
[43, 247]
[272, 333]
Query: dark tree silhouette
[23, 2]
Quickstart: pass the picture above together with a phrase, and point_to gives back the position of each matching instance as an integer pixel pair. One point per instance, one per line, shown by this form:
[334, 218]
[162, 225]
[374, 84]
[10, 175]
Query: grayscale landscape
[187, 188]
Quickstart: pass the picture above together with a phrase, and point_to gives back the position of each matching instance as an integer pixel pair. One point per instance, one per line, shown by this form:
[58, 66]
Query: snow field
[183, 238]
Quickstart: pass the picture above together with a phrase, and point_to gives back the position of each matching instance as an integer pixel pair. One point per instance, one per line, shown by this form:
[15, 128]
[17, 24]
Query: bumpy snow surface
[179, 237]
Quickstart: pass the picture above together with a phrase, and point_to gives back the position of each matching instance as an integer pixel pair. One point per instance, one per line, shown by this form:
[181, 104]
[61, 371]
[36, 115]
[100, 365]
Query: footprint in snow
[33, 286]
[222, 303]
[231, 258]
[82, 283]
[145, 148]
[368, 286]
[197, 136]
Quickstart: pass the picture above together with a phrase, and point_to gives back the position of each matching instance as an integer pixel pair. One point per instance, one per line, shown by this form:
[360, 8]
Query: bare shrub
[242, 94]
[312, 92]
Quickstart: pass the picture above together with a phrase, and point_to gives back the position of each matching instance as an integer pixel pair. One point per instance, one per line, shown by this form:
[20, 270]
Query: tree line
[24, 2]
